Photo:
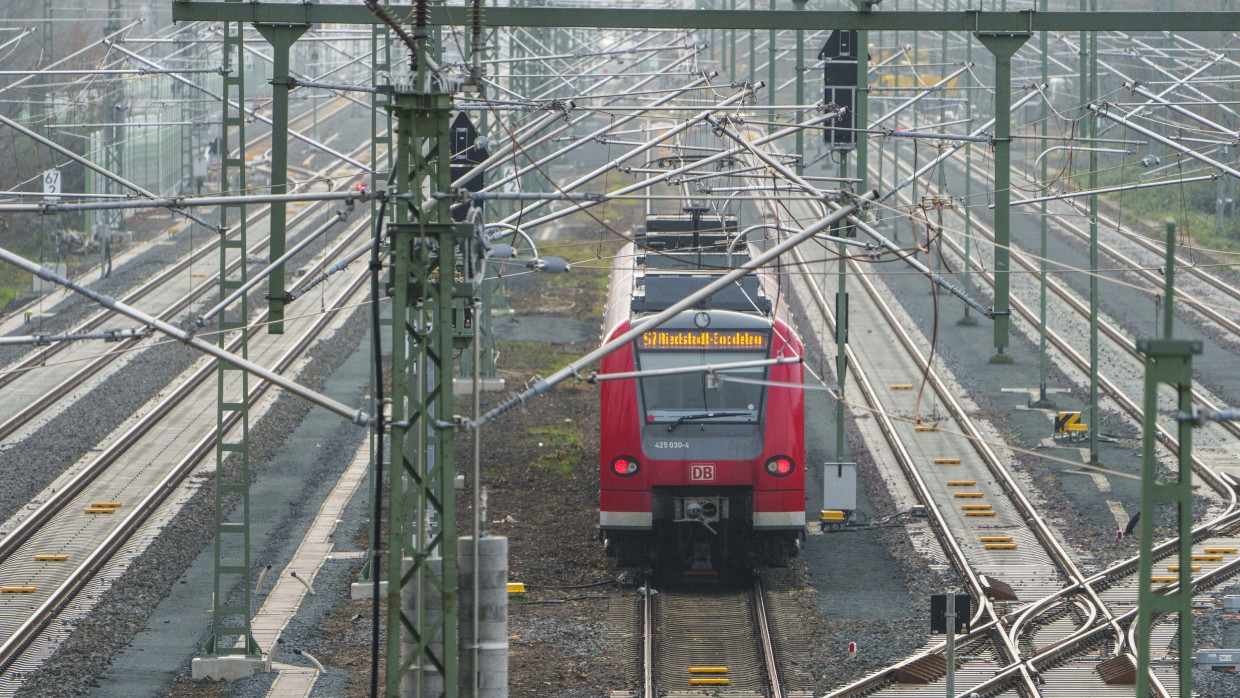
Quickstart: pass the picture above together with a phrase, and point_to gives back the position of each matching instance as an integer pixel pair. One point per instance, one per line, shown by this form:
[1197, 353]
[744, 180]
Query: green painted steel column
[1094, 425]
[732, 46]
[862, 119]
[753, 50]
[281, 37]
[115, 111]
[231, 586]
[382, 155]
[1167, 362]
[771, 86]
[1169, 280]
[1042, 401]
[841, 331]
[799, 68]
[1003, 47]
[967, 320]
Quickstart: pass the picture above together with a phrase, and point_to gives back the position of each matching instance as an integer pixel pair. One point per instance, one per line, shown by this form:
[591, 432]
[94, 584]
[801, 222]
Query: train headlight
[624, 466]
[780, 466]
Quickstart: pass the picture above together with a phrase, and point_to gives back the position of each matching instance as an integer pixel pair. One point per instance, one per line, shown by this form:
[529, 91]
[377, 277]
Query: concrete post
[484, 661]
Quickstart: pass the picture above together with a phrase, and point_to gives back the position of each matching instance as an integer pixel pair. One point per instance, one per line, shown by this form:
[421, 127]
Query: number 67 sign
[51, 186]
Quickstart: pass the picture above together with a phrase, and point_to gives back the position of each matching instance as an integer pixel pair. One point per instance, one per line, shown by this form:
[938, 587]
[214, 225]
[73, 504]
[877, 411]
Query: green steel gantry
[427, 292]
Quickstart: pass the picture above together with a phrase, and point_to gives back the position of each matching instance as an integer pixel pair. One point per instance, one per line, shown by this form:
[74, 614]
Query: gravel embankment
[83, 659]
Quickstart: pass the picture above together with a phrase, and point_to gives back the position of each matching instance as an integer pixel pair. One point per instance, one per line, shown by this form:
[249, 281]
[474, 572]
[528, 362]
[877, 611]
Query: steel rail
[18, 535]
[11, 647]
[764, 634]
[509, 147]
[670, 174]
[648, 641]
[1220, 485]
[685, 125]
[1135, 267]
[1078, 583]
[941, 528]
[1082, 363]
[1230, 516]
[650, 323]
[252, 112]
[41, 357]
[1099, 577]
[62, 389]
[1041, 529]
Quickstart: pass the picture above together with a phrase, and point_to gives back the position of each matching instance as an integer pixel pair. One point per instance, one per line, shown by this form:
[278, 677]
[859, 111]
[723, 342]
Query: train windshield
[698, 396]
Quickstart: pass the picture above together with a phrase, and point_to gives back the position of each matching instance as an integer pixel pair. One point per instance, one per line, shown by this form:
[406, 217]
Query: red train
[700, 470]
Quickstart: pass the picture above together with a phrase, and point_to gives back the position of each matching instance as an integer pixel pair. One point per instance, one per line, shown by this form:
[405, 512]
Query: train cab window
[670, 398]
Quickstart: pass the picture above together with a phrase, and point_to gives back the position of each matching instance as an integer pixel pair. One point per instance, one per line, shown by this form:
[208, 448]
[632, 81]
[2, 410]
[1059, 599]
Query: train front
[704, 470]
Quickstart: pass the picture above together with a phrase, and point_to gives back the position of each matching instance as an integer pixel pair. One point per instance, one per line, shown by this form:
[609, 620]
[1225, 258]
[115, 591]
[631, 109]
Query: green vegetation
[557, 447]
[15, 283]
[534, 357]
[1193, 206]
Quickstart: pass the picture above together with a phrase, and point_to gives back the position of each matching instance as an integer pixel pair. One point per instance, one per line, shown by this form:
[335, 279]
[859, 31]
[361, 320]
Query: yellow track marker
[1164, 579]
[18, 590]
[100, 510]
[1206, 558]
[901, 386]
[704, 681]
[924, 427]
[981, 513]
[708, 670]
[946, 461]
[961, 483]
[832, 515]
[50, 558]
[1220, 550]
[976, 507]
[967, 495]
[109, 505]
[1000, 546]
[516, 587]
[996, 539]
[1176, 568]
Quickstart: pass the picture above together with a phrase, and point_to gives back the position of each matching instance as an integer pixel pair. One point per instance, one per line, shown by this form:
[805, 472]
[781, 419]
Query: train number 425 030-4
[671, 444]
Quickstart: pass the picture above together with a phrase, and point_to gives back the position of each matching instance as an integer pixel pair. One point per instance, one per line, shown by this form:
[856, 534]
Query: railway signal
[839, 85]
[468, 150]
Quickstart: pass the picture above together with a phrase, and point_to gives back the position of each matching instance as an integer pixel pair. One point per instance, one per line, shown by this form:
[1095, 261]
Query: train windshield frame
[695, 395]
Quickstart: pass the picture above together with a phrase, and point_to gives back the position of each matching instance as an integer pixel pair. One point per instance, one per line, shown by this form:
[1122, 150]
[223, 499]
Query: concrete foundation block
[365, 590]
[225, 668]
[465, 386]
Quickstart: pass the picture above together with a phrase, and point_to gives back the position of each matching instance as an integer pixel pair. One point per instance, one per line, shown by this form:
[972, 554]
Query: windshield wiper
[706, 415]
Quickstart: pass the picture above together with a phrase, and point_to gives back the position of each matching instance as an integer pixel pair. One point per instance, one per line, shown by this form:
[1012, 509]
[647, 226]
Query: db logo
[702, 472]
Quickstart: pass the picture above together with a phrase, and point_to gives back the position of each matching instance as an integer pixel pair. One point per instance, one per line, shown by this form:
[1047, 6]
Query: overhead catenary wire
[356, 416]
[573, 369]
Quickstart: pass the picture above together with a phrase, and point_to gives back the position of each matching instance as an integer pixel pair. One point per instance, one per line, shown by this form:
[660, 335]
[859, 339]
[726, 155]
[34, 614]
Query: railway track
[1214, 443]
[95, 322]
[77, 364]
[708, 640]
[1110, 577]
[1099, 611]
[138, 471]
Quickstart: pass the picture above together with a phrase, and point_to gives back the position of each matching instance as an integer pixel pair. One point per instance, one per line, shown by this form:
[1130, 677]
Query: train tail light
[624, 466]
[780, 466]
